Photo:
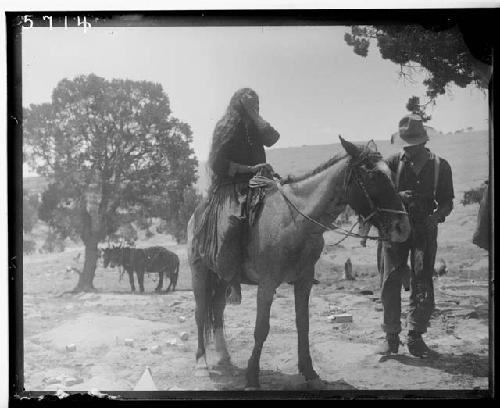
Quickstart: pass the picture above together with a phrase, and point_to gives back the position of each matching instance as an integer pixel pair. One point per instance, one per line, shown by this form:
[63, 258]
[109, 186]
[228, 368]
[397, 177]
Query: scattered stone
[184, 336]
[181, 319]
[96, 393]
[366, 292]
[61, 394]
[172, 342]
[374, 298]
[156, 349]
[340, 318]
[472, 315]
[71, 347]
[70, 381]
[174, 303]
[379, 308]
[69, 307]
[143, 348]
[129, 342]
[146, 382]
[56, 380]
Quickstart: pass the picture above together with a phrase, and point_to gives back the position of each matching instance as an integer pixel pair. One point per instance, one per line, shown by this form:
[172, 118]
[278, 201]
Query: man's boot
[416, 345]
[390, 344]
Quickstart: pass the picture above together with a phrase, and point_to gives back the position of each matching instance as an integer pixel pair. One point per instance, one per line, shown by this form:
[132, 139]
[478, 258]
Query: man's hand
[431, 222]
[406, 195]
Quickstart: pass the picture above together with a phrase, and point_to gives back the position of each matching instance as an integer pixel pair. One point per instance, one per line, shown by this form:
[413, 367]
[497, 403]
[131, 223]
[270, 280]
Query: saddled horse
[144, 260]
[286, 241]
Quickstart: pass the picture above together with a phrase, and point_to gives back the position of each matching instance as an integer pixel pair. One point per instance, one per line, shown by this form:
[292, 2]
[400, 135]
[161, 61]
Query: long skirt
[219, 233]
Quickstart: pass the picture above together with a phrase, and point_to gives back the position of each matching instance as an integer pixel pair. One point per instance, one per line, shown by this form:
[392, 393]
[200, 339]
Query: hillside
[466, 152]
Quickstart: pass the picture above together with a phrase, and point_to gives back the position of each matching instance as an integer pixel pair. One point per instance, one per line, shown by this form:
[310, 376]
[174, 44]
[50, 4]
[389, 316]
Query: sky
[311, 85]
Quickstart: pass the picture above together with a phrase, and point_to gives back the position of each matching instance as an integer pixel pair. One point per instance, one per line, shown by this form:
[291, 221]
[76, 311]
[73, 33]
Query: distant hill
[466, 152]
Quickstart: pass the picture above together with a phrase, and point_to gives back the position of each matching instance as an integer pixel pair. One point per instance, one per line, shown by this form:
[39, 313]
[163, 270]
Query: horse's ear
[372, 146]
[351, 149]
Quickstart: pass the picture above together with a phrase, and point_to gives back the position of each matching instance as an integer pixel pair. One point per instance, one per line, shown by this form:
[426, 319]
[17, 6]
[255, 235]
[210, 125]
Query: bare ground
[343, 354]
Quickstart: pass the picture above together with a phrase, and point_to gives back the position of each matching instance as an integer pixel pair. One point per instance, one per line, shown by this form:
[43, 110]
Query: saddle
[224, 253]
[258, 186]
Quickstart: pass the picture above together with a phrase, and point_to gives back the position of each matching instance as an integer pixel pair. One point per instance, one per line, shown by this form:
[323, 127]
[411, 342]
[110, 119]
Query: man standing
[424, 182]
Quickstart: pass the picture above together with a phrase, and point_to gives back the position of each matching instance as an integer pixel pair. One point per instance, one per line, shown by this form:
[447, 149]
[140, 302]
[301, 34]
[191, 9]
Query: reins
[331, 226]
[335, 228]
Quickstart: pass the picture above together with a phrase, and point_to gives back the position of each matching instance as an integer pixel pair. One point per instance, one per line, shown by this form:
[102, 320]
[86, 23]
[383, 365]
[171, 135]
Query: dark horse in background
[286, 241]
[144, 260]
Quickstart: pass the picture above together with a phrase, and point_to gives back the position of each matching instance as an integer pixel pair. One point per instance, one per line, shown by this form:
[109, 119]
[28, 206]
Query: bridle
[374, 210]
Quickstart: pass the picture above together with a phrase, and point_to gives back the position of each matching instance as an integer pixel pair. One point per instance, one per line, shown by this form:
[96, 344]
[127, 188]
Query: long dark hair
[225, 129]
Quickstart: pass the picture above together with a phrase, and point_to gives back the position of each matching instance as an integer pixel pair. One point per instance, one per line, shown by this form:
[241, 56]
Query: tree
[113, 154]
[415, 107]
[440, 50]
[177, 225]
[30, 210]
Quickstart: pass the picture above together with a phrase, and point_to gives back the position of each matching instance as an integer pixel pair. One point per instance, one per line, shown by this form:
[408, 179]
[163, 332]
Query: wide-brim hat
[412, 131]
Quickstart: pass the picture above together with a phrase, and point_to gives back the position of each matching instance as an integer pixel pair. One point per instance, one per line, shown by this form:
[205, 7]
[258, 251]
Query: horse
[144, 260]
[285, 243]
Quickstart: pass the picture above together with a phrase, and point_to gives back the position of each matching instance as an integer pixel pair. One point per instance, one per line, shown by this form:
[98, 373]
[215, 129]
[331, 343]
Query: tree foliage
[177, 226]
[113, 154]
[414, 106]
[442, 53]
[30, 210]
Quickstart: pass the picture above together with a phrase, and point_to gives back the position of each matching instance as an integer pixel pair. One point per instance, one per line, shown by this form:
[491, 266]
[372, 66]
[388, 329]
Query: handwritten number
[26, 20]
[50, 21]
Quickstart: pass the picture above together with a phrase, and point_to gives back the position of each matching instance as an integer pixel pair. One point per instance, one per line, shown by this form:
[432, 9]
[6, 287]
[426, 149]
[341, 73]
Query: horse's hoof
[224, 361]
[316, 384]
[201, 372]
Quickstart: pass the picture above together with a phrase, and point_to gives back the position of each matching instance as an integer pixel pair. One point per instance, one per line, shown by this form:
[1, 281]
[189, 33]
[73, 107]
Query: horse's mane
[366, 154]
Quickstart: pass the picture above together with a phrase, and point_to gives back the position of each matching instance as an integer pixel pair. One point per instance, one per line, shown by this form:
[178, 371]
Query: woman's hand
[262, 166]
[247, 111]
[406, 195]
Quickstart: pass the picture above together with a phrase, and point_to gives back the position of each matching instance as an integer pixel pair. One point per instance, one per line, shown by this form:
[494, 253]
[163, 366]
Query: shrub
[29, 246]
[473, 195]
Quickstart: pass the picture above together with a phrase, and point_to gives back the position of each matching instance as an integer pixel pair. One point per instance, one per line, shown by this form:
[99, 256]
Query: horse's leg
[140, 278]
[265, 295]
[160, 281]
[302, 290]
[170, 284]
[199, 284]
[219, 306]
[131, 279]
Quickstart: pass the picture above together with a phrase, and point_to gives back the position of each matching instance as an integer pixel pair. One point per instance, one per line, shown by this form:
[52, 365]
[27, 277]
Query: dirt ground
[343, 354]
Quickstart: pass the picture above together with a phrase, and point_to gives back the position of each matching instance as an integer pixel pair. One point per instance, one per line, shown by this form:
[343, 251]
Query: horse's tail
[213, 281]
[175, 273]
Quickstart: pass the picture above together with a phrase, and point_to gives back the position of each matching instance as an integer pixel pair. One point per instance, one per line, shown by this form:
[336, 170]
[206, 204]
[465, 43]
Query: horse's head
[106, 256]
[110, 256]
[371, 192]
